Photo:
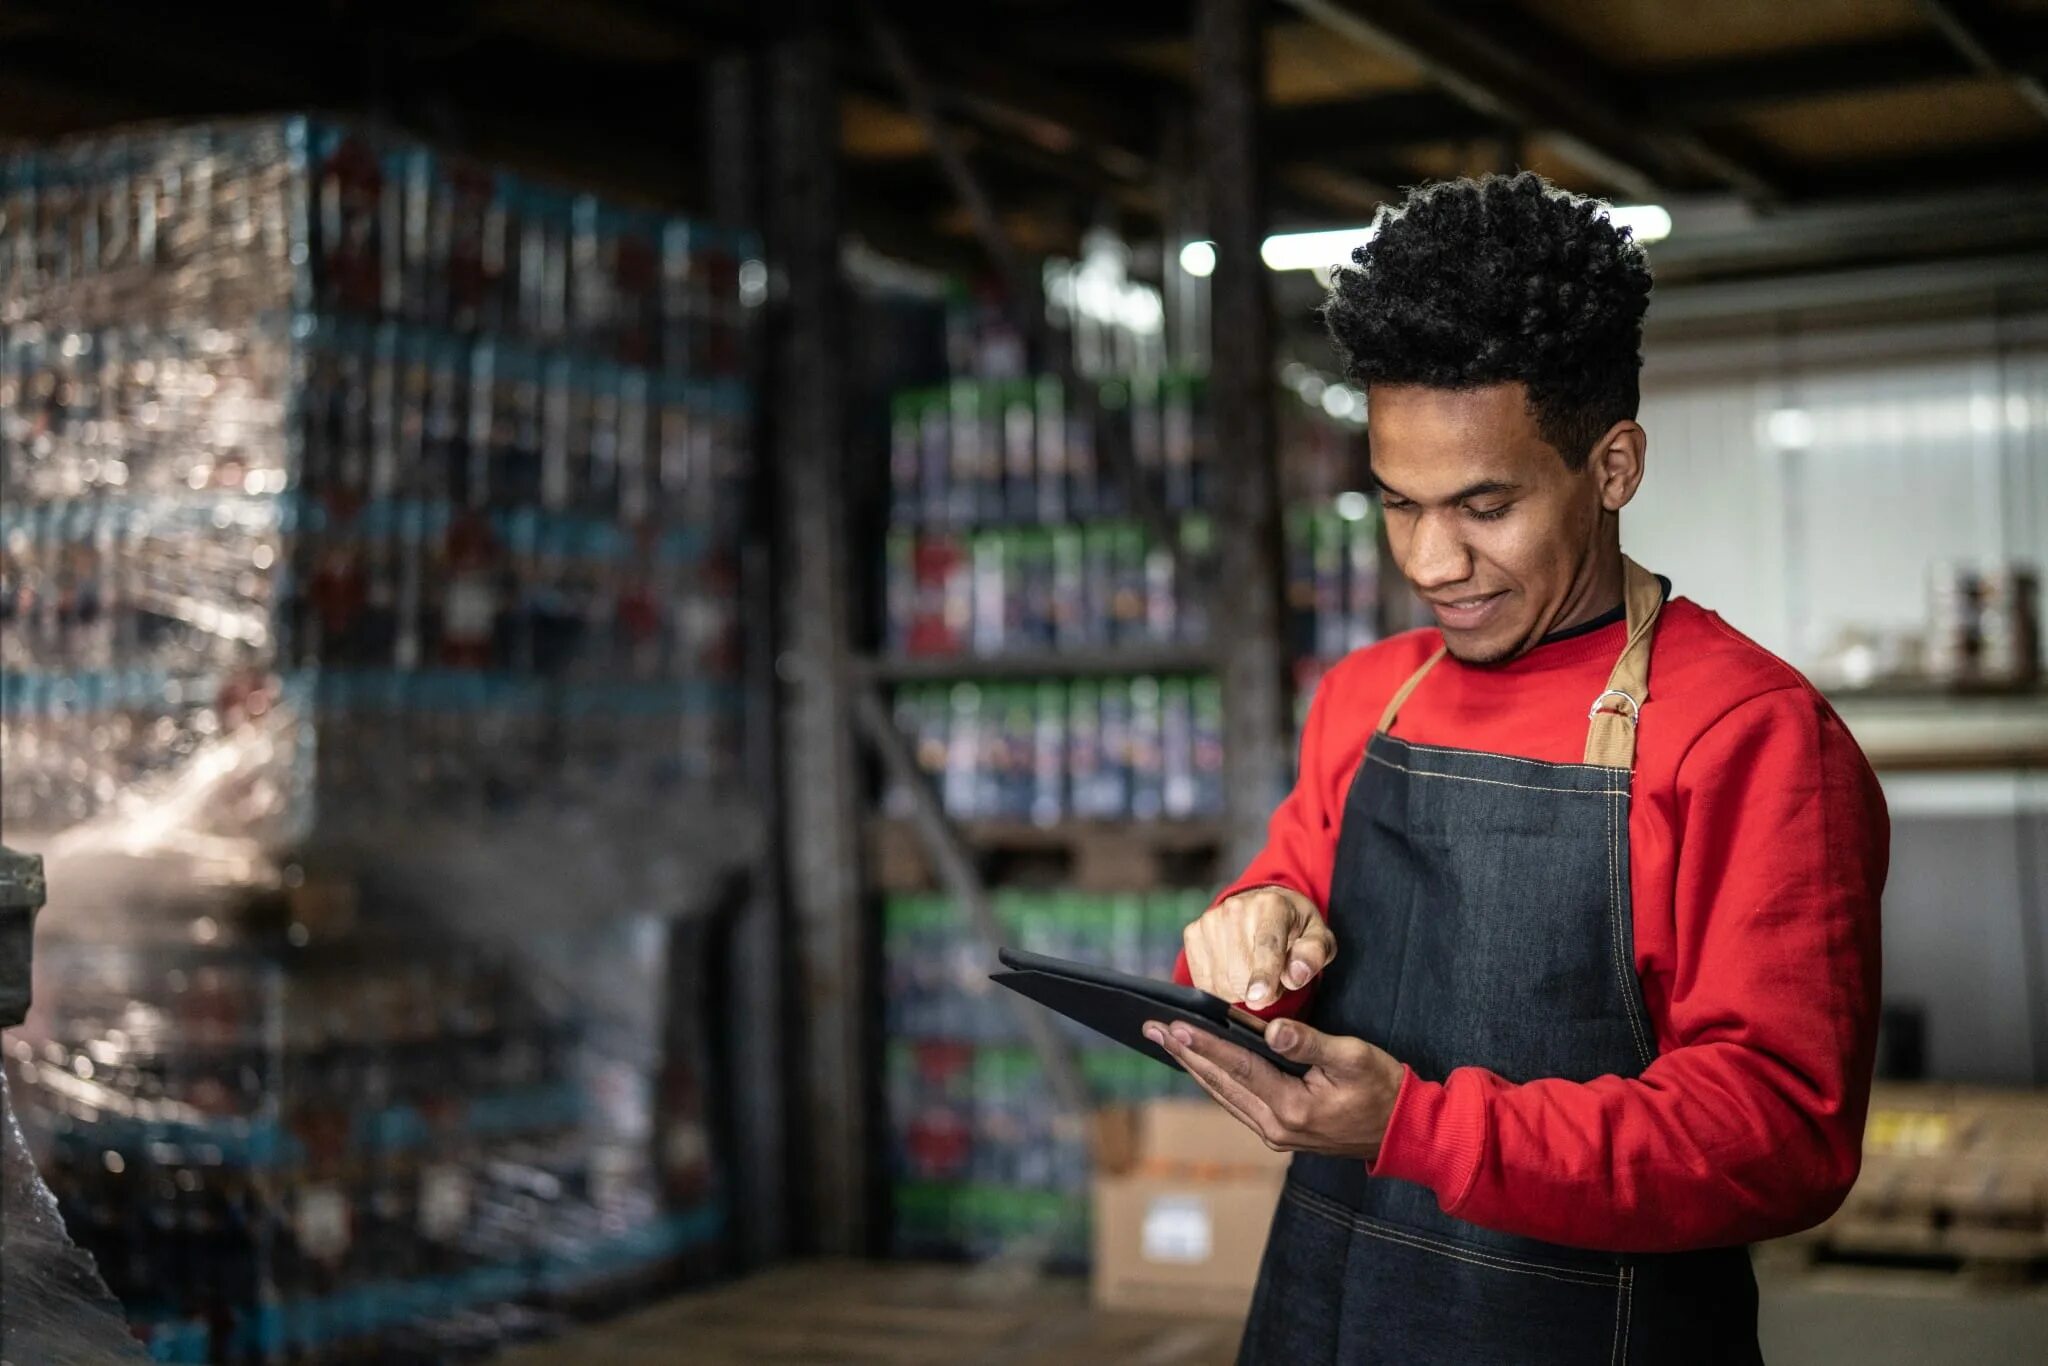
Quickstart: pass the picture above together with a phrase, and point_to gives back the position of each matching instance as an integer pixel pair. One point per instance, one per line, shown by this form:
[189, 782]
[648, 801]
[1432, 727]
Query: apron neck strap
[1400, 696]
[1611, 732]
[1611, 735]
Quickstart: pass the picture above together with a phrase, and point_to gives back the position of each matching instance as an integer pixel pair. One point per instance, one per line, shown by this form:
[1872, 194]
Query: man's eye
[1392, 504]
[1489, 514]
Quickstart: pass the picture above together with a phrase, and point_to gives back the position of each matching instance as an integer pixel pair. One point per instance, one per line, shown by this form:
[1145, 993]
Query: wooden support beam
[1248, 622]
[821, 782]
[755, 966]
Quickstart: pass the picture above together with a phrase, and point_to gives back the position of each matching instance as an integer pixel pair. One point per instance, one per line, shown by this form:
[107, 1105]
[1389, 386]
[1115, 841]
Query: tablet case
[1118, 1005]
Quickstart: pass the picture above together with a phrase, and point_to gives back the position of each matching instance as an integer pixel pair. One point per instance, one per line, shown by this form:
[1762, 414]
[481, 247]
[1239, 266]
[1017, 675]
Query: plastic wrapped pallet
[54, 1307]
[982, 1166]
[369, 659]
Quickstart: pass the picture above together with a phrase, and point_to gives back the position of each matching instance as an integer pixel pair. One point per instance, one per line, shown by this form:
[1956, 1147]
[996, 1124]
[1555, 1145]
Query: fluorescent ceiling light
[1311, 250]
[1321, 250]
[1645, 222]
[1790, 429]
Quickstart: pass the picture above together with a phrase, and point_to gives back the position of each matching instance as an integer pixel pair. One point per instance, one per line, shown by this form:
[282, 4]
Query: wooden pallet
[858, 1313]
[1952, 1177]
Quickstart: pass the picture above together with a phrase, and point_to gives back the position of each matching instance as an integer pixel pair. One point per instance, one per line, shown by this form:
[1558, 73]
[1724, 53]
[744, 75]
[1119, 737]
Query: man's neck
[1596, 595]
[1613, 615]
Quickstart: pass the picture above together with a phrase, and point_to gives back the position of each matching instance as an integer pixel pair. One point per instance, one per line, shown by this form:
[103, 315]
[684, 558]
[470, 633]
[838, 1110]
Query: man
[1573, 908]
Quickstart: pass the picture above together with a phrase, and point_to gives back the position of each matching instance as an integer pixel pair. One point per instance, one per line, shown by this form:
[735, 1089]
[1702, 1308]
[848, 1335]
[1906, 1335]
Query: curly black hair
[1503, 278]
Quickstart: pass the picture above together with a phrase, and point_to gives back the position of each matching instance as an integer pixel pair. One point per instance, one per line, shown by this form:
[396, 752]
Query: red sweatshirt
[1758, 843]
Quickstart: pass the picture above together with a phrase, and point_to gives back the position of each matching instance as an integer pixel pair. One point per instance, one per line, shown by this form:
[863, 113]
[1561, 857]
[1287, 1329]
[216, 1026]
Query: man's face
[1487, 522]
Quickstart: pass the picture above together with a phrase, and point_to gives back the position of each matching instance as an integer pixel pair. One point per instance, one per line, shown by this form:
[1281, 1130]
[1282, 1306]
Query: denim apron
[1481, 906]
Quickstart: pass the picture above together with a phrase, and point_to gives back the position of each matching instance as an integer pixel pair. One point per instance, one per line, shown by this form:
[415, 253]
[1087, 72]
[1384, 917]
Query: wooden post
[806, 397]
[752, 959]
[1229, 62]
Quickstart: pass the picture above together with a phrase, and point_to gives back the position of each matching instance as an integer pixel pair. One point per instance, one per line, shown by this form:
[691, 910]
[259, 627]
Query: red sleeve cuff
[1435, 1138]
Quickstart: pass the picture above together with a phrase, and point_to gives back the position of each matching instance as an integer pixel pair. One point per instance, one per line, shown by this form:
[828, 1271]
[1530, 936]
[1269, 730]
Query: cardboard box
[1184, 1196]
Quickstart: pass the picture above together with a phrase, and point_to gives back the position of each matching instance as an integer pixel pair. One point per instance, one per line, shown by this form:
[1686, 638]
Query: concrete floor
[1861, 1317]
[865, 1314]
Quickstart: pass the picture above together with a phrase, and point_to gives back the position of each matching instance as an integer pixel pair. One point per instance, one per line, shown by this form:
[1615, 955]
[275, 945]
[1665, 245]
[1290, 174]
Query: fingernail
[1281, 1037]
[1256, 994]
[1152, 1033]
[1297, 976]
[1183, 1035]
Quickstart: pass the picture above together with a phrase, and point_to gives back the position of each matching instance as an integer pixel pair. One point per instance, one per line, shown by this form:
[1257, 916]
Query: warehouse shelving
[1033, 665]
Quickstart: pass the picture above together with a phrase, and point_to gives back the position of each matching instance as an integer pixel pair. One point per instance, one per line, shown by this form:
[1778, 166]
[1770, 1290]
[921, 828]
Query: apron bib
[1481, 903]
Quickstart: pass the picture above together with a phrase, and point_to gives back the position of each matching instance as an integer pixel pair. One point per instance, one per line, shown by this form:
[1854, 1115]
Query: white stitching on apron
[1617, 892]
[1614, 1352]
[1628, 1309]
[1614, 920]
[1489, 754]
[1494, 1261]
[1490, 782]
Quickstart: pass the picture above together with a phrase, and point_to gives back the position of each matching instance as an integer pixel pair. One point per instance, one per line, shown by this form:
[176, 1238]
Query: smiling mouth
[1465, 613]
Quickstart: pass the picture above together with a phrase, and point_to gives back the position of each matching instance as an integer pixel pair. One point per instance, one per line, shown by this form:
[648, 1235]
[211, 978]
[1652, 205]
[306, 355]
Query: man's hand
[1247, 947]
[1339, 1108]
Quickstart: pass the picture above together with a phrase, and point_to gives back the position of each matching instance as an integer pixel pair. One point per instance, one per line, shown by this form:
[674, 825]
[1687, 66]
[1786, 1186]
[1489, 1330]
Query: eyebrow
[1478, 490]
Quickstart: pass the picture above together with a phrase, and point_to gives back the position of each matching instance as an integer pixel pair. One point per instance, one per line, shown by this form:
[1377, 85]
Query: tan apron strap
[1611, 732]
[1394, 706]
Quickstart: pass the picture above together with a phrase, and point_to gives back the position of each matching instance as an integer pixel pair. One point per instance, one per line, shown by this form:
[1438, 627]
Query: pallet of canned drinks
[369, 536]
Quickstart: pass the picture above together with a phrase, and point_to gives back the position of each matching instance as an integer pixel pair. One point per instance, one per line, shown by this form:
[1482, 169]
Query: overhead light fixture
[1199, 259]
[1313, 250]
[1790, 429]
[1319, 251]
[1645, 222]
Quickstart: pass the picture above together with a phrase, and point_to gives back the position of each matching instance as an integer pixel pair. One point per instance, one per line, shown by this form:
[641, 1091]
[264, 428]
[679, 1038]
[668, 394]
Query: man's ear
[1616, 463]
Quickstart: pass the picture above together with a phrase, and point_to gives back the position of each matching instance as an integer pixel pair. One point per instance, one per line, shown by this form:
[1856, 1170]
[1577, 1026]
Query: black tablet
[1117, 1005]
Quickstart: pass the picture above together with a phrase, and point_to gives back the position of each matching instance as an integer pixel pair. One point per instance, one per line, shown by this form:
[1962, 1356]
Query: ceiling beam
[1970, 32]
[1442, 51]
[1020, 287]
[1354, 196]
[1691, 93]
[2019, 162]
[1515, 36]
[1372, 125]
[487, 99]
[1512, 70]
[1842, 232]
[1706, 90]
[1117, 136]
[1109, 147]
[1049, 28]
[1882, 288]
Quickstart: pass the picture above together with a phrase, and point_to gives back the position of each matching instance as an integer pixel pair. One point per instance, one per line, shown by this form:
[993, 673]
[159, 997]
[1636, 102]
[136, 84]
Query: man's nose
[1437, 554]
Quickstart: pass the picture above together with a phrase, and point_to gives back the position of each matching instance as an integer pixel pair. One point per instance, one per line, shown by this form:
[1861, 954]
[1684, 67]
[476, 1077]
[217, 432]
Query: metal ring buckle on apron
[1628, 713]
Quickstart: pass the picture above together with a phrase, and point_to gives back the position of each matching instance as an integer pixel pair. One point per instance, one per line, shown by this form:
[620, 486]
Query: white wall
[1919, 444]
[1798, 490]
